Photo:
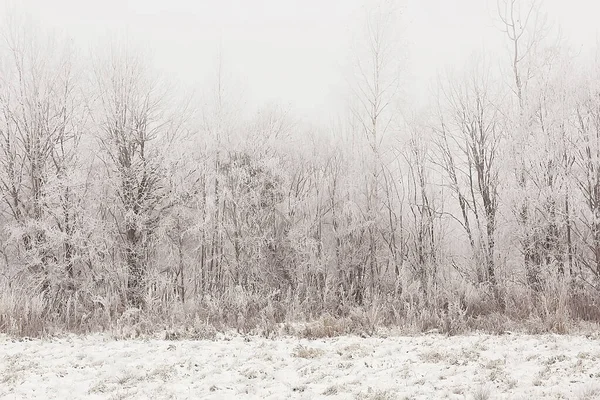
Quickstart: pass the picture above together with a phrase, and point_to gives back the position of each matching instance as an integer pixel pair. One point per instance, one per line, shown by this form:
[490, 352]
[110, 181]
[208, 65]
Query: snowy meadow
[478, 367]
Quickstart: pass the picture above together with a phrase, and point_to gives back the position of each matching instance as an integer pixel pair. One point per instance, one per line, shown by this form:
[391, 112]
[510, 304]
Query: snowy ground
[424, 367]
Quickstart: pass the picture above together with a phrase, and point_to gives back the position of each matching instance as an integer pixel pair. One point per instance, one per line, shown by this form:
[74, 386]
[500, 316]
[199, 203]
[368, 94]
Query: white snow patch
[423, 367]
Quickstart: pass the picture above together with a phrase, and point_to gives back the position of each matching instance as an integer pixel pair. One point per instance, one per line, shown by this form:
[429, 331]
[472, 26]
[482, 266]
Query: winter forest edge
[127, 202]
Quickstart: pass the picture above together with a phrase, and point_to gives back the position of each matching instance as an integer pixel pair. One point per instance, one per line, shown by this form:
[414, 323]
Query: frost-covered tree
[376, 89]
[469, 136]
[42, 182]
[136, 128]
[538, 171]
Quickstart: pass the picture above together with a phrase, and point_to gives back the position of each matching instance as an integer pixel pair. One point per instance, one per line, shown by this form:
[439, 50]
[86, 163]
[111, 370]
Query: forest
[126, 201]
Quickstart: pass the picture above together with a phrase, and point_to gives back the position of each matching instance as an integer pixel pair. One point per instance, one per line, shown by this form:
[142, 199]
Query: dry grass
[589, 393]
[482, 393]
[377, 395]
[332, 390]
[433, 356]
[307, 352]
[458, 309]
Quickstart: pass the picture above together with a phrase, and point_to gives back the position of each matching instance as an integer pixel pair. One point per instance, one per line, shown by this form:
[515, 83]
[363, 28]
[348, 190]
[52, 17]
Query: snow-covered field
[423, 367]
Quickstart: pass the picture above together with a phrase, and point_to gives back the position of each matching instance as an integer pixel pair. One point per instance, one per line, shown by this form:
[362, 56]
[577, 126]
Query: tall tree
[41, 123]
[137, 128]
[376, 90]
[469, 138]
[526, 29]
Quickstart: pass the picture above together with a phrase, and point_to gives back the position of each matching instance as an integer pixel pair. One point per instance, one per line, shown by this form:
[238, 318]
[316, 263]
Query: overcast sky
[294, 51]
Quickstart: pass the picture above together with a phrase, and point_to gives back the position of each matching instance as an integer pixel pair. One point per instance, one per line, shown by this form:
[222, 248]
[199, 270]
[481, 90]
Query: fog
[297, 52]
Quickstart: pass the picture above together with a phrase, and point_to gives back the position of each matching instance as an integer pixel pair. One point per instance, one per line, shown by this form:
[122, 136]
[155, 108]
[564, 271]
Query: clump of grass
[376, 395]
[307, 352]
[482, 393]
[589, 393]
[331, 390]
[325, 327]
[433, 356]
[15, 368]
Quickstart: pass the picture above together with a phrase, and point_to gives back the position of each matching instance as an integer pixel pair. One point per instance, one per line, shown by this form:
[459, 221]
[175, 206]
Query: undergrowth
[557, 308]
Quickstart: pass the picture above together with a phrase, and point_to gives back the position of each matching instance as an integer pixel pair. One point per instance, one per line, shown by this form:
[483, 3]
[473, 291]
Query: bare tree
[527, 30]
[41, 124]
[376, 90]
[469, 137]
[587, 172]
[423, 241]
[137, 128]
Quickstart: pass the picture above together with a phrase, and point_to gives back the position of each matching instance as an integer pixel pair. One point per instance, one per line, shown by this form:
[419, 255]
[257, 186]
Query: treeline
[118, 195]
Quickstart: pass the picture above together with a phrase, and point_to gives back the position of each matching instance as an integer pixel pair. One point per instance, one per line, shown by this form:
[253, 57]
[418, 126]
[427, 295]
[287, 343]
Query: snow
[234, 367]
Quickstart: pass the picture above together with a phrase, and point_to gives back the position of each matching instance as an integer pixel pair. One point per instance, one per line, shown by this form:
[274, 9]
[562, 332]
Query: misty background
[299, 53]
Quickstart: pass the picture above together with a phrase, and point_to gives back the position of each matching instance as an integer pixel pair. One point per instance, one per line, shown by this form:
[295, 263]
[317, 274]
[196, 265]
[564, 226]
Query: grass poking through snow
[478, 367]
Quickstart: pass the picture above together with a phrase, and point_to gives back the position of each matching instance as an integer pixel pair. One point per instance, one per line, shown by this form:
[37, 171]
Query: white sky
[294, 51]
